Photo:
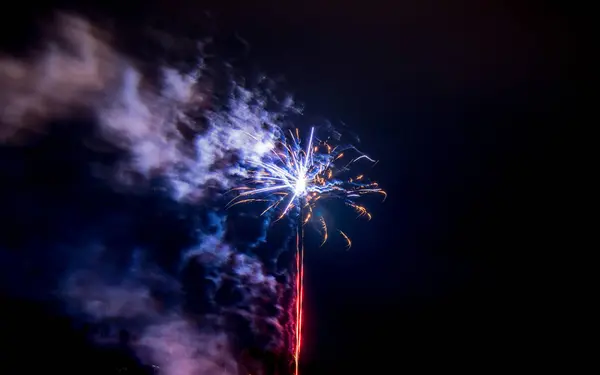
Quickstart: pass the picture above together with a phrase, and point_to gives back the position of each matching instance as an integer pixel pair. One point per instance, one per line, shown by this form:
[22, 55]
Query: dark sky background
[460, 101]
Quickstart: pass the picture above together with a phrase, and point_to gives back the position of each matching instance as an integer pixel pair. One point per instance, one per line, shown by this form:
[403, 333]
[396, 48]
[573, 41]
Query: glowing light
[300, 189]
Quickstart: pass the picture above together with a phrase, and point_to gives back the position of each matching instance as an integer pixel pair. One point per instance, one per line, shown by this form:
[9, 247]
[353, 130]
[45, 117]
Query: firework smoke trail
[301, 177]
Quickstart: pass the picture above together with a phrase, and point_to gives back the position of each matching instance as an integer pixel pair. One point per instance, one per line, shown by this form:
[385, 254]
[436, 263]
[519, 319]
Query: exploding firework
[302, 176]
[296, 176]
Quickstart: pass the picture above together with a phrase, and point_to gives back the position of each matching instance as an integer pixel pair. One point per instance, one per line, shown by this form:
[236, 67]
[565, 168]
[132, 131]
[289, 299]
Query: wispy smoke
[177, 349]
[148, 119]
[165, 337]
[56, 80]
[174, 129]
[249, 291]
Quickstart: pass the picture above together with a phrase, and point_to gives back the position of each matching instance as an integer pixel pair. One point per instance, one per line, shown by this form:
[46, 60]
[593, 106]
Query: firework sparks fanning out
[297, 175]
[294, 175]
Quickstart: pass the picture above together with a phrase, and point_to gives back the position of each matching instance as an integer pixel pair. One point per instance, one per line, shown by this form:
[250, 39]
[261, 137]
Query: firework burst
[296, 176]
[304, 175]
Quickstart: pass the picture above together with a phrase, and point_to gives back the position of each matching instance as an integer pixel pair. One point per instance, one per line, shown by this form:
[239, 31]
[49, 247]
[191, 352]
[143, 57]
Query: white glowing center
[300, 186]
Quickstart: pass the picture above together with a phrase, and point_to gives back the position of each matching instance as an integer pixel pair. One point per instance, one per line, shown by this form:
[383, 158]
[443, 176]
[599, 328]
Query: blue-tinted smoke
[113, 193]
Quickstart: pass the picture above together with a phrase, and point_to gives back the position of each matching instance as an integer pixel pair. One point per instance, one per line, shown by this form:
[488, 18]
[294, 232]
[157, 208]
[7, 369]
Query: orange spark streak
[348, 241]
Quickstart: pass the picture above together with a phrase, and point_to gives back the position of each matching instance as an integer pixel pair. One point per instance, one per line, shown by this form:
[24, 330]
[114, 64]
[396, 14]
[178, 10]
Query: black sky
[461, 102]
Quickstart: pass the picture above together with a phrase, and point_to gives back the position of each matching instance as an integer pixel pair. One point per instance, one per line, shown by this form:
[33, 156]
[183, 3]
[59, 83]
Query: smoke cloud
[173, 128]
[148, 119]
[164, 337]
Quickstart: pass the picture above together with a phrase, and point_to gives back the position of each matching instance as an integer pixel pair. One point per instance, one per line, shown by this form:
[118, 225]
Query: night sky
[459, 101]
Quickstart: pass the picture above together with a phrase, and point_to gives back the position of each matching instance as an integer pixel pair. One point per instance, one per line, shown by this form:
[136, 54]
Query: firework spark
[296, 175]
[302, 176]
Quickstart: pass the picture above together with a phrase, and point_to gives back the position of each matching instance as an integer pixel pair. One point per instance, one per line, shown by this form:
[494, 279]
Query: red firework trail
[299, 296]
